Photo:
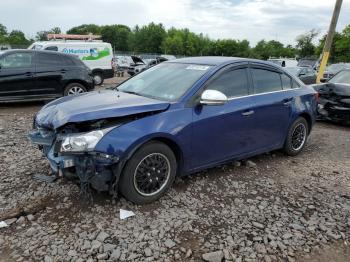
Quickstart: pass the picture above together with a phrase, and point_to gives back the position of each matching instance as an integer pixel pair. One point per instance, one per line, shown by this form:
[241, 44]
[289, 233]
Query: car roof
[34, 51]
[217, 60]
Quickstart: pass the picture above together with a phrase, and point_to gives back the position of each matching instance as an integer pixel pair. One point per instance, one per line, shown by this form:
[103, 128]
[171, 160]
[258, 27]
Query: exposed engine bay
[334, 103]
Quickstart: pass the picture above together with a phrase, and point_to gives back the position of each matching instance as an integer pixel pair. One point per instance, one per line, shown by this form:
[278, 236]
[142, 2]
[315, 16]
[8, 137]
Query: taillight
[317, 97]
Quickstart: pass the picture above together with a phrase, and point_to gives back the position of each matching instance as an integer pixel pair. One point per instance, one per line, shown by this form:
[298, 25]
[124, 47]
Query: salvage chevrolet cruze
[174, 119]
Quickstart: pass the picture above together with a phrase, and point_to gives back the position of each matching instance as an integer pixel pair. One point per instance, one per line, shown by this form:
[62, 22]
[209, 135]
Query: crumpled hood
[93, 106]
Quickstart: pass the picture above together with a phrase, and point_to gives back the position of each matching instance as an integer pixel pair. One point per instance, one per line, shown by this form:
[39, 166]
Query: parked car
[141, 65]
[305, 74]
[333, 69]
[334, 104]
[176, 118]
[284, 62]
[309, 62]
[97, 55]
[41, 75]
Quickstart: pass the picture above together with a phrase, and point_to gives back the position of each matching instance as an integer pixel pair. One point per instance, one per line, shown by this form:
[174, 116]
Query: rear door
[224, 131]
[50, 71]
[272, 105]
[16, 75]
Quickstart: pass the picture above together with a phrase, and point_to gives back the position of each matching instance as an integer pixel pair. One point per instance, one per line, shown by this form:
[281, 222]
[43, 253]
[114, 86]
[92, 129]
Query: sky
[281, 20]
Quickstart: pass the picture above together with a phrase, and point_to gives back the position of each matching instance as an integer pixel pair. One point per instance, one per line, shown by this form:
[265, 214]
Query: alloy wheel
[74, 90]
[298, 136]
[152, 174]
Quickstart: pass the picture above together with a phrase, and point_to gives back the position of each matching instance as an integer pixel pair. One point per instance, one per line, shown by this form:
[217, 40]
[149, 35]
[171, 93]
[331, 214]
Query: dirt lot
[271, 208]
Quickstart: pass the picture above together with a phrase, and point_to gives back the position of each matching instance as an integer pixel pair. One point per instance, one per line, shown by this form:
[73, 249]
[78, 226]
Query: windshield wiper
[130, 92]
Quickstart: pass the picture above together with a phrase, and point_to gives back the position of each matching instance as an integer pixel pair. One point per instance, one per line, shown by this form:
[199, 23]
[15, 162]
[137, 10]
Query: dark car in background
[28, 75]
[176, 118]
[305, 74]
[334, 69]
[309, 62]
[334, 102]
[140, 64]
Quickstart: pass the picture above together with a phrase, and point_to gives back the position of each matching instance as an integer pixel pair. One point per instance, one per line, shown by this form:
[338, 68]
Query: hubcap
[97, 79]
[298, 136]
[75, 90]
[152, 174]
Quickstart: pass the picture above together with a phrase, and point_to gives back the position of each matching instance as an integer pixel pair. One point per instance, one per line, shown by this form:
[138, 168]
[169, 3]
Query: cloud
[253, 20]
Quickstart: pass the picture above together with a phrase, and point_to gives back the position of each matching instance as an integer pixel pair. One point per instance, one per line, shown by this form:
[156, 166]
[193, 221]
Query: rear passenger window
[233, 83]
[266, 81]
[49, 59]
[286, 82]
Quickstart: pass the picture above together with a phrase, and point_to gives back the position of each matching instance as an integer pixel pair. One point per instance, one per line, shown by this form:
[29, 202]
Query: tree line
[155, 38]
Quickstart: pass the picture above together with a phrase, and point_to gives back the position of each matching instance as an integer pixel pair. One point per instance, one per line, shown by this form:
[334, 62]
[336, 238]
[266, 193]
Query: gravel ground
[270, 208]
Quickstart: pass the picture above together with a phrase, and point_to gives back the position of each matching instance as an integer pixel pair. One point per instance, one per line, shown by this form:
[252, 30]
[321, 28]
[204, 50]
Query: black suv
[41, 75]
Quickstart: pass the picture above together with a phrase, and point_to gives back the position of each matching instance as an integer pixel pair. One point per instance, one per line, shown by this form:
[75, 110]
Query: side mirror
[302, 74]
[323, 80]
[213, 98]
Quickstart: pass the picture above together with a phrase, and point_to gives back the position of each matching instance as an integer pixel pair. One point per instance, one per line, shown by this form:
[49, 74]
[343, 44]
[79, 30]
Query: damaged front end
[334, 103]
[71, 154]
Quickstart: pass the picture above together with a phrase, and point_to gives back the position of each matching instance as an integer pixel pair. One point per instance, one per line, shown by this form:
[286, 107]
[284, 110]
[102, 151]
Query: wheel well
[308, 119]
[174, 147]
[76, 81]
[99, 71]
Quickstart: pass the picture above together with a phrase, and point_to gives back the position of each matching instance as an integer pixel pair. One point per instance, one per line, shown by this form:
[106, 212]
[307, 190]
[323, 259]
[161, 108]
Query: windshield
[341, 77]
[307, 63]
[166, 81]
[293, 70]
[335, 67]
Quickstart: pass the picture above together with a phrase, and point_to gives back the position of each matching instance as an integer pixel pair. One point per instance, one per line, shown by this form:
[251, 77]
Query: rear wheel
[148, 174]
[297, 137]
[98, 78]
[74, 89]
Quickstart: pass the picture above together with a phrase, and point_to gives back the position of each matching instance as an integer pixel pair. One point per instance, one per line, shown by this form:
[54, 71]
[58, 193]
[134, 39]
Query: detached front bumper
[95, 168]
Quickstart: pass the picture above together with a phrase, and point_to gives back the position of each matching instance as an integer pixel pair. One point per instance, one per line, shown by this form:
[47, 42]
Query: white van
[97, 55]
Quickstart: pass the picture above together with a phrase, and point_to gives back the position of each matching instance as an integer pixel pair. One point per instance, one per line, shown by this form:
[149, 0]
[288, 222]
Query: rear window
[266, 81]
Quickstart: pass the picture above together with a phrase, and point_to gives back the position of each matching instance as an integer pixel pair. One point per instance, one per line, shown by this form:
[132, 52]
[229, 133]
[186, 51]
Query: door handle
[248, 113]
[29, 74]
[287, 101]
[63, 71]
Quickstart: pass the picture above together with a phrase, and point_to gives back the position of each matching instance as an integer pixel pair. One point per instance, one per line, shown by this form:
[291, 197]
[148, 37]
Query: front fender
[174, 125]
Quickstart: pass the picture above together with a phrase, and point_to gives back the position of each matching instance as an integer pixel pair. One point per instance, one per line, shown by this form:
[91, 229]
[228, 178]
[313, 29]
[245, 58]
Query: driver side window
[232, 83]
[16, 60]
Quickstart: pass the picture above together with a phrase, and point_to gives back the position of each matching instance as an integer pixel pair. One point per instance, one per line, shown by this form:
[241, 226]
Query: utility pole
[329, 40]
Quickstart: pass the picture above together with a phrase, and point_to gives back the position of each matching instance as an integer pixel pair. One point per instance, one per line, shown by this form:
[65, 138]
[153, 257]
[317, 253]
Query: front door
[16, 75]
[224, 131]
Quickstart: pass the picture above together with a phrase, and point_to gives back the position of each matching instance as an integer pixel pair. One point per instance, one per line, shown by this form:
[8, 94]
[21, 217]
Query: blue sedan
[174, 119]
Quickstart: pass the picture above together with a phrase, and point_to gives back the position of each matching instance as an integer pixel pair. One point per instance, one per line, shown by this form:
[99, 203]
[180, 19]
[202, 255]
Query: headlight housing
[82, 142]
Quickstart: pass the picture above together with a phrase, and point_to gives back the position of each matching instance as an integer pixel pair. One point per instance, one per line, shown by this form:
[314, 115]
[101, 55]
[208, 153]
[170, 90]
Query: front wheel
[297, 137]
[148, 174]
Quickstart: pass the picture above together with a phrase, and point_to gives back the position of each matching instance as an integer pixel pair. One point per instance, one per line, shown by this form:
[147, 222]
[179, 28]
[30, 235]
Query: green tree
[117, 35]
[42, 35]
[3, 34]
[85, 29]
[17, 38]
[305, 46]
[148, 38]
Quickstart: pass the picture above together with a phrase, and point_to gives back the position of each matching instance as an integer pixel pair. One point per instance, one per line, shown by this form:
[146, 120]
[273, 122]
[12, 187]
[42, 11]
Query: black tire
[98, 78]
[74, 89]
[131, 188]
[295, 143]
